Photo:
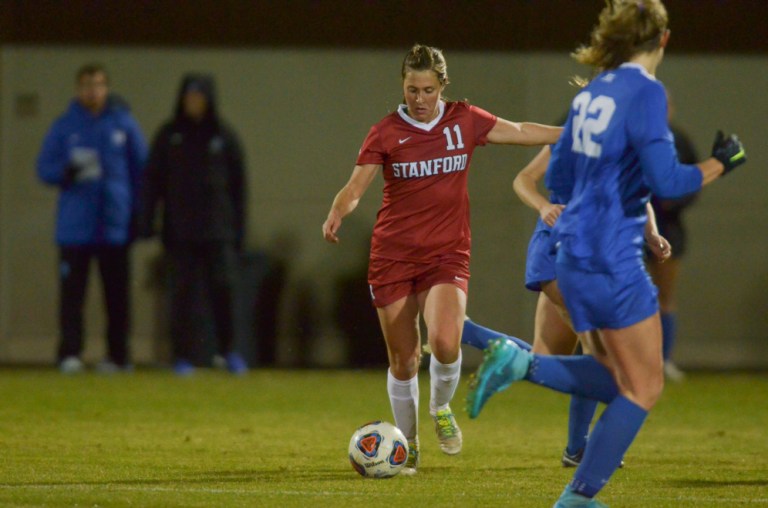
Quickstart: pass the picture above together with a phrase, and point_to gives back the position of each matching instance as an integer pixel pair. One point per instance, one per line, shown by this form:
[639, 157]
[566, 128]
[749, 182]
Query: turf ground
[279, 438]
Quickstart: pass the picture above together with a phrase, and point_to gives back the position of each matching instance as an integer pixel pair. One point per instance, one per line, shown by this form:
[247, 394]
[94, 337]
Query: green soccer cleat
[505, 362]
[412, 464]
[448, 431]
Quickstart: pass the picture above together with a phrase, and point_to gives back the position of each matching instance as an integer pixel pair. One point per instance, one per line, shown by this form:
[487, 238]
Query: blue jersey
[616, 149]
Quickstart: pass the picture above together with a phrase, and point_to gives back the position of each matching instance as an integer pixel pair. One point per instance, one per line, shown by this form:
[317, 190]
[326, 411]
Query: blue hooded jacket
[101, 210]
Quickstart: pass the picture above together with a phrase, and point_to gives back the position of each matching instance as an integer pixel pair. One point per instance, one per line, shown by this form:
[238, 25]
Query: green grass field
[279, 438]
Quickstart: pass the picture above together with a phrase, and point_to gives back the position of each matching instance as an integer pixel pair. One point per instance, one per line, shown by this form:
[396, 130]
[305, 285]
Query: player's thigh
[592, 344]
[552, 290]
[635, 354]
[552, 335]
[399, 323]
[444, 307]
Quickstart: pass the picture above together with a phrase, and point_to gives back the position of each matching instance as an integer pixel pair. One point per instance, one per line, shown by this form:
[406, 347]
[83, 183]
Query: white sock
[404, 398]
[443, 380]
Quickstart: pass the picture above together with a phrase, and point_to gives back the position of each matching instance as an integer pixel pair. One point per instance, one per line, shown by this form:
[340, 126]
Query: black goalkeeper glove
[729, 151]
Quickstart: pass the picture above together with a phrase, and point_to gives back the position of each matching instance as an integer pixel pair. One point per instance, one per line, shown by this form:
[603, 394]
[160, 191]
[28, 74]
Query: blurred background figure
[669, 218]
[195, 173]
[94, 154]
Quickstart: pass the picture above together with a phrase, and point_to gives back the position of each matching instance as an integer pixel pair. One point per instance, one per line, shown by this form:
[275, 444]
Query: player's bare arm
[348, 198]
[659, 246]
[526, 188]
[711, 169]
[523, 133]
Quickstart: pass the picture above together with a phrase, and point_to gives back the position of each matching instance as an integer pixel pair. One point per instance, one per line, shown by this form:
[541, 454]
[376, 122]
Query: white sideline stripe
[325, 493]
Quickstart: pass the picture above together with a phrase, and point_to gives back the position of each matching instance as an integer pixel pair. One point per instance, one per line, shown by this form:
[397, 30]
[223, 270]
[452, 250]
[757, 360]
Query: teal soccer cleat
[570, 499]
[504, 364]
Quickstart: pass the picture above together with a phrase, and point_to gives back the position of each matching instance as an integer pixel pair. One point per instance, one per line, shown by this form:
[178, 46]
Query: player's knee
[445, 350]
[404, 365]
[648, 393]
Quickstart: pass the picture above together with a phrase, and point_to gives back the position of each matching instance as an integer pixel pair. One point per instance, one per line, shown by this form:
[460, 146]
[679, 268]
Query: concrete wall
[302, 115]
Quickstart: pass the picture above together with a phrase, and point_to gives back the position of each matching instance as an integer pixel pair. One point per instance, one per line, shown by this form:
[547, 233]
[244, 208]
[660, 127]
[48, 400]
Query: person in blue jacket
[618, 147]
[94, 154]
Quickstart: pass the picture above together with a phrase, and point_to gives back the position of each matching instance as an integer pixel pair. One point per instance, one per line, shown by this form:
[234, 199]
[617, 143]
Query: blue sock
[580, 415]
[479, 336]
[668, 330]
[578, 375]
[608, 442]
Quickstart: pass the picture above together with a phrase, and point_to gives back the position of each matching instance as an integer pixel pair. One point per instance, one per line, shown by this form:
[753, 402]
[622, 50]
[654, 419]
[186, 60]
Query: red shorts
[391, 280]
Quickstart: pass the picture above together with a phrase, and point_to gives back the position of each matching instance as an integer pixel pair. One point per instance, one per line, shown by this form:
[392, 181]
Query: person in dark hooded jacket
[195, 174]
[94, 154]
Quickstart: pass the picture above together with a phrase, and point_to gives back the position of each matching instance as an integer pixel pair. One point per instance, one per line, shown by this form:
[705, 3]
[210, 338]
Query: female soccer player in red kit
[419, 259]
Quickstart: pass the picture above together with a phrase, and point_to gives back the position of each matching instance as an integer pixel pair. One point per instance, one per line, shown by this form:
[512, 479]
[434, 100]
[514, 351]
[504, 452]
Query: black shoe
[574, 460]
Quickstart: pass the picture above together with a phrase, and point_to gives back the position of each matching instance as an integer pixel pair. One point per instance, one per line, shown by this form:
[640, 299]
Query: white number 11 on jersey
[460, 142]
[584, 128]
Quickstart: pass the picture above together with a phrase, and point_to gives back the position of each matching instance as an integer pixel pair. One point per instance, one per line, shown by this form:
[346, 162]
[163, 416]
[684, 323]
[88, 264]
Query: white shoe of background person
[71, 365]
[673, 372]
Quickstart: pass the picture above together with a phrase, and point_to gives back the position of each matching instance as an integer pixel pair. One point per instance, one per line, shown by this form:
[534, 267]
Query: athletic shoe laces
[446, 424]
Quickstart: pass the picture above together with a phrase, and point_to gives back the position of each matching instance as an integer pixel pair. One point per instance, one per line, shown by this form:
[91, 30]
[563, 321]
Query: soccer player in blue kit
[553, 331]
[619, 149]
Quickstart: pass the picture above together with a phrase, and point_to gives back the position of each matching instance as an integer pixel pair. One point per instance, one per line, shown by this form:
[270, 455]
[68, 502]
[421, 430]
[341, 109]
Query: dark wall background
[517, 25]
[302, 81]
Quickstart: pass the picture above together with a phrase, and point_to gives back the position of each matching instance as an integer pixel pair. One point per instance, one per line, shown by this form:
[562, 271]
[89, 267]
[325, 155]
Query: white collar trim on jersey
[421, 125]
[638, 67]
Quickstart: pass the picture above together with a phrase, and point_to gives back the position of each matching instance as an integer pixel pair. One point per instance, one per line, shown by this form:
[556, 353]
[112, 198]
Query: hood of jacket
[203, 83]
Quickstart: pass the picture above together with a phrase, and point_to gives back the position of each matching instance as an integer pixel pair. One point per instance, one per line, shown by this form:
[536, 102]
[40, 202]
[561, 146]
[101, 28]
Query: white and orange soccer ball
[378, 450]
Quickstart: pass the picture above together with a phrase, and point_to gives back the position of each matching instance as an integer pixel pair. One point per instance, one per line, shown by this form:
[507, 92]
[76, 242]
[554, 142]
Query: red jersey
[425, 209]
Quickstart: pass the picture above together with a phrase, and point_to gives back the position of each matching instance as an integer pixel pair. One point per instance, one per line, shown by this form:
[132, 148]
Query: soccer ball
[378, 450]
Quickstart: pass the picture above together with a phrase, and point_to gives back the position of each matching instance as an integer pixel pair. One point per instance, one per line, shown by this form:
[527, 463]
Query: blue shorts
[540, 262]
[607, 300]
